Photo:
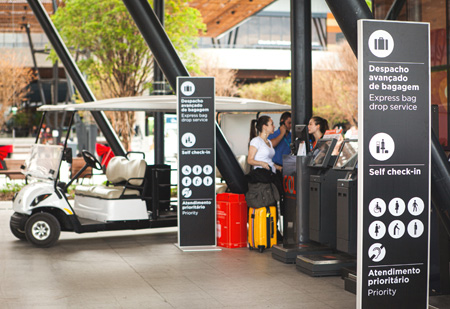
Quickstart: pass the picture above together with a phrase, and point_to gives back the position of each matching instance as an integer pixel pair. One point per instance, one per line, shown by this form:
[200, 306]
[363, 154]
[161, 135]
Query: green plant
[22, 119]
[71, 191]
[277, 90]
[11, 187]
[116, 58]
[173, 192]
[15, 78]
[7, 192]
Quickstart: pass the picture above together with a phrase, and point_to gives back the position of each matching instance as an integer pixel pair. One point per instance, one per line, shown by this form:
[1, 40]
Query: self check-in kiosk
[333, 212]
[296, 174]
[346, 198]
[322, 194]
[346, 226]
[347, 209]
[296, 241]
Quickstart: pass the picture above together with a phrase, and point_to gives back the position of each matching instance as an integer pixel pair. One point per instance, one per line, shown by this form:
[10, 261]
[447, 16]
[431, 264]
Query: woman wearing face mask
[316, 129]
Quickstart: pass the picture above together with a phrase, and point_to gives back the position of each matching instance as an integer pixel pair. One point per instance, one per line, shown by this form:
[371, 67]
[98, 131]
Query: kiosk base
[350, 283]
[288, 254]
[349, 277]
[324, 264]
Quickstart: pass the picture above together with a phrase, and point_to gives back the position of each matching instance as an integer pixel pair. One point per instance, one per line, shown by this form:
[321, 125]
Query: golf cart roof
[167, 104]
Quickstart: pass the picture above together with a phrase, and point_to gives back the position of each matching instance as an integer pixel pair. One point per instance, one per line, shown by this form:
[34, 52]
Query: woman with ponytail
[261, 151]
[260, 154]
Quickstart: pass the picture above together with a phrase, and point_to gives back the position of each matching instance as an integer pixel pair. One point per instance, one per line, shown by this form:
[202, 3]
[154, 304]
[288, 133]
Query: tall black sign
[394, 161]
[196, 161]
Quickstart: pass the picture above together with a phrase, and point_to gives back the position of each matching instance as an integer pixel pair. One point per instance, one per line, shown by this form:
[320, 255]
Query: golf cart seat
[125, 180]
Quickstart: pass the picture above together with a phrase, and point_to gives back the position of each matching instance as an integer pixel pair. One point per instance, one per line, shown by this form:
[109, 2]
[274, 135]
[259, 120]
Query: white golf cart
[42, 209]
[132, 196]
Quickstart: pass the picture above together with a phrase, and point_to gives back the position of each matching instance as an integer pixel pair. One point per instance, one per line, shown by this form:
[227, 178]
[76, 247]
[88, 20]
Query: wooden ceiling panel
[15, 13]
[221, 15]
[218, 15]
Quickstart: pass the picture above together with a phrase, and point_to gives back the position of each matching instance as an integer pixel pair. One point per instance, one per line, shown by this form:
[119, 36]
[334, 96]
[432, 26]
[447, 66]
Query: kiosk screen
[348, 157]
[321, 154]
[301, 136]
[301, 132]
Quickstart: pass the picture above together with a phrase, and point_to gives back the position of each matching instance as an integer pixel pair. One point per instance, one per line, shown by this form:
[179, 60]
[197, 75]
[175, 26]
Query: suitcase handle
[272, 227]
[253, 228]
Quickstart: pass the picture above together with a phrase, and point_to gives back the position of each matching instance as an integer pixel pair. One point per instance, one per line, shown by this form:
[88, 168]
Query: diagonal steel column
[395, 9]
[75, 74]
[157, 39]
[33, 57]
[347, 13]
[172, 67]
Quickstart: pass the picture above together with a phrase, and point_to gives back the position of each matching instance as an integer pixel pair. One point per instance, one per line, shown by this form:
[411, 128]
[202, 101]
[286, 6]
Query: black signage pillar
[394, 164]
[196, 162]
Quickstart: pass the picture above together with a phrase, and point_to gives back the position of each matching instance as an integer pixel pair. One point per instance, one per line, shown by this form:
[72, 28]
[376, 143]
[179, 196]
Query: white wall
[236, 128]
[317, 6]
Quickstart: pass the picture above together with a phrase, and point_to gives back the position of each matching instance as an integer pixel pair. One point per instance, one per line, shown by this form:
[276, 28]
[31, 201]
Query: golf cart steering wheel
[91, 160]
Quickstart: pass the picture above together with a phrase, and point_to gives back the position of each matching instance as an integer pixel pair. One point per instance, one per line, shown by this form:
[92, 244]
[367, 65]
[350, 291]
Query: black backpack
[261, 195]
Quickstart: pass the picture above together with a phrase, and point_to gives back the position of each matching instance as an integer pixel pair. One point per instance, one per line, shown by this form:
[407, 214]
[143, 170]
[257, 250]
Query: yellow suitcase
[262, 228]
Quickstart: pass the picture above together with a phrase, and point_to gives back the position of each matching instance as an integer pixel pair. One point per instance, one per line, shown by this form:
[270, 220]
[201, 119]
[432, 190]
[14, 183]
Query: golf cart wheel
[42, 230]
[16, 232]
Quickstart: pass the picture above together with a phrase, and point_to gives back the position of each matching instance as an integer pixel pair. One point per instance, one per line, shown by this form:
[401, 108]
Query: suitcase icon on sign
[381, 44]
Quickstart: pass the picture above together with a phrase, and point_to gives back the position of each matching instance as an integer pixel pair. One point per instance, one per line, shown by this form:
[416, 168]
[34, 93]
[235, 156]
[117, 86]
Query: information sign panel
[394, 164]
[196, 161]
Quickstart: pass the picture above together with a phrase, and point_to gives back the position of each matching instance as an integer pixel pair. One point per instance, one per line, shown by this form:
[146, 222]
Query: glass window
[265, 28]
[276, 29]
[318, 33]
[267, 31]
[253, 31]
[285, 29]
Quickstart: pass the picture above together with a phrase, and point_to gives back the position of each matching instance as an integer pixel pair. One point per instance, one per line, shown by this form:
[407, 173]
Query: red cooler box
[231, 220]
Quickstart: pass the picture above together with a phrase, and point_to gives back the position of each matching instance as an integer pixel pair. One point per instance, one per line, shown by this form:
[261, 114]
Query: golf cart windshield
[44, 161]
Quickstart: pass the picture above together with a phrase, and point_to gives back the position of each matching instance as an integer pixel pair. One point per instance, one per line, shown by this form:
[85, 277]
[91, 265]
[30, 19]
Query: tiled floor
[145, 269]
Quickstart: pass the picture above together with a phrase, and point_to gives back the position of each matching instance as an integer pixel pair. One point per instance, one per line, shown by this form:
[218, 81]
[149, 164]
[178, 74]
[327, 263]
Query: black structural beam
[172, 67]
[75, 74]
[158, 89]
[395, 9]
[157, 39]
[36, 69]
[347, 13]
[301, 64]
[440, 182]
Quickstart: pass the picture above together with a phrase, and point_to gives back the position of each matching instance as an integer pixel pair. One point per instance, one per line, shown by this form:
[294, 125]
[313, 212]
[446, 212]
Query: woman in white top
[261, 151]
